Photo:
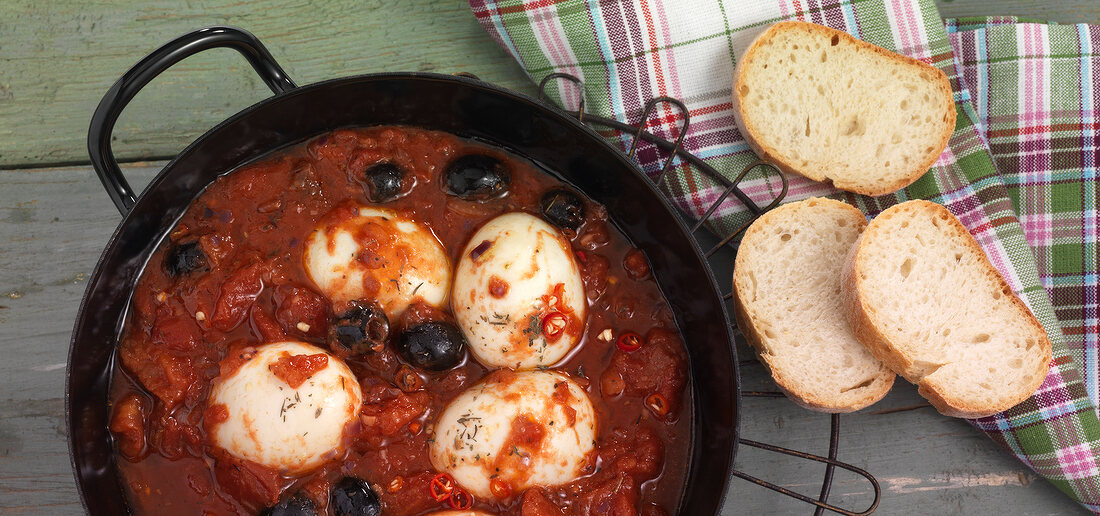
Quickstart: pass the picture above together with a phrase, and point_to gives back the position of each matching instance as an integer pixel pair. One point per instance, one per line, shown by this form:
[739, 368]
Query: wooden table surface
[58, 58]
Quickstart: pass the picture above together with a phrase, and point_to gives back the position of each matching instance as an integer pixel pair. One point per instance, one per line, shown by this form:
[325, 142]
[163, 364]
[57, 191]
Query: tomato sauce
[248, 286]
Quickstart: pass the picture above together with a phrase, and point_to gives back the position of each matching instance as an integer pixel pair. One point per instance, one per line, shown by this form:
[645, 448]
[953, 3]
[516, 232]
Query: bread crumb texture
[831, 107]
[787, 285]
[946, 318]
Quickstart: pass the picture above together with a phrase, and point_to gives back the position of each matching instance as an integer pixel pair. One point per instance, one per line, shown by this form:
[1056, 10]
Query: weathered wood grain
[925, 463]
[58, 58]
[53, 226]
[1061, 11]
[55, 222]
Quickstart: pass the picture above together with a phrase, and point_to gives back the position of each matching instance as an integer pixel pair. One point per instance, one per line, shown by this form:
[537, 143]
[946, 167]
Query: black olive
[354, 497]
[432, 346]
[476, 178]
[563, 208]
[184, 259]
[361, 329]
[382, 182]
[293, 506]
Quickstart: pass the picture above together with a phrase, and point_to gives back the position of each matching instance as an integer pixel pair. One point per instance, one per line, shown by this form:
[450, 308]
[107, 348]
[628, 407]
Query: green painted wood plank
[58, 58]
[1061, 11]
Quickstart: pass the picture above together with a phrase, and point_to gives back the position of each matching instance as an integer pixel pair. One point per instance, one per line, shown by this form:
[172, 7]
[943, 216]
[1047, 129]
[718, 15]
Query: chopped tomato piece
[301, 311]
[177, 333]
[264, 326]
[238, 293]
[128, 425]
[173, 437]
[537, 503]
[387, 410]
[217, 247]
[214, 415]
[657, 367]
[296, 369]
[636, 265]
[168, 376]
[251, 483]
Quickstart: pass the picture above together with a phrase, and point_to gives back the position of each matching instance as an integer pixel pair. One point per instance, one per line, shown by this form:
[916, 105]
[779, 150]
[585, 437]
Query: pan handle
[116, 99]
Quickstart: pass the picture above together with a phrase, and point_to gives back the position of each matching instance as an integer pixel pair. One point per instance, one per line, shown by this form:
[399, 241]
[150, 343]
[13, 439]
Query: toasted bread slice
[786, 285]
[924, 298]
[820, 103]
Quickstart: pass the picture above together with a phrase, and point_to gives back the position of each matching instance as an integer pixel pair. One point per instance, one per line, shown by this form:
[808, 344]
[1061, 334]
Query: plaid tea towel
[1019, 169]
[1035, 89]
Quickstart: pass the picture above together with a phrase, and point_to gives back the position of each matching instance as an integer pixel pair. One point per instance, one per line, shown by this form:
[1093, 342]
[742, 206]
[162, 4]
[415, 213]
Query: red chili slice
[553, 325]
[581, 257]
[460, 499]
[657, 404]
[442, 487]
[629, 341]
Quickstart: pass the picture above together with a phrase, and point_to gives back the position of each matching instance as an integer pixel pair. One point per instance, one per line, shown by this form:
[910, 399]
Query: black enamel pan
[463, 106]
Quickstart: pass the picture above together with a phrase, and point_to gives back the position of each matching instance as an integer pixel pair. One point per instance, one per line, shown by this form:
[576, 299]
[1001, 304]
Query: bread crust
[868, 331]
[769, 153]
[790, 385]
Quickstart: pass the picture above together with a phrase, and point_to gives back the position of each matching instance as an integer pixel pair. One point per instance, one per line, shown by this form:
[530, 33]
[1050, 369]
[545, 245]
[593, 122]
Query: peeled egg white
[381, 256]
[289, 429]
[530, 428]
[506, 275]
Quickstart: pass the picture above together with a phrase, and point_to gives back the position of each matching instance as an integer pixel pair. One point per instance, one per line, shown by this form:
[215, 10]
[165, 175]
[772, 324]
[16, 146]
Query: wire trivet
[675, 149]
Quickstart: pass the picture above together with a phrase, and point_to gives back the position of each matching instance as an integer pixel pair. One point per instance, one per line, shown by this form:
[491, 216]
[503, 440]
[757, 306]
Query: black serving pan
[460, 105]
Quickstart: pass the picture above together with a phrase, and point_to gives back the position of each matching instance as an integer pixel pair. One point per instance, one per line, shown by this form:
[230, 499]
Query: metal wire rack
[675, 149]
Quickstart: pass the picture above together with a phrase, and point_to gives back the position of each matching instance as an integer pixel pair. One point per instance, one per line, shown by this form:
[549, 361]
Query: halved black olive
[382, 182]
[354, 497]
[361, 329]
[185, 258]
[477, 177]
[293, 506]
[432, 346]
[563, 209]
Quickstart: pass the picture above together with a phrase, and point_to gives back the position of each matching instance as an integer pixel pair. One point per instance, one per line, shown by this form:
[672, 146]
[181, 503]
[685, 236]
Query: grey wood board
[58, 58]
[54, 224]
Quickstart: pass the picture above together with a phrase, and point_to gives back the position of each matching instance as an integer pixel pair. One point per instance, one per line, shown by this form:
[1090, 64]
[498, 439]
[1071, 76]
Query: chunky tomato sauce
[243, 240]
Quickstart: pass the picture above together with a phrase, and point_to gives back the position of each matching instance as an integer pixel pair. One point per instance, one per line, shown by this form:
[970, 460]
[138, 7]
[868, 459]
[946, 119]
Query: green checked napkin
[1020, 170]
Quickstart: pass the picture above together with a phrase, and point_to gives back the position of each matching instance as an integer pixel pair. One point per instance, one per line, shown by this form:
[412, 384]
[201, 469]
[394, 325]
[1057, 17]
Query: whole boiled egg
[284, 405]
[518, 295]
[368, 253]
[514, 430]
